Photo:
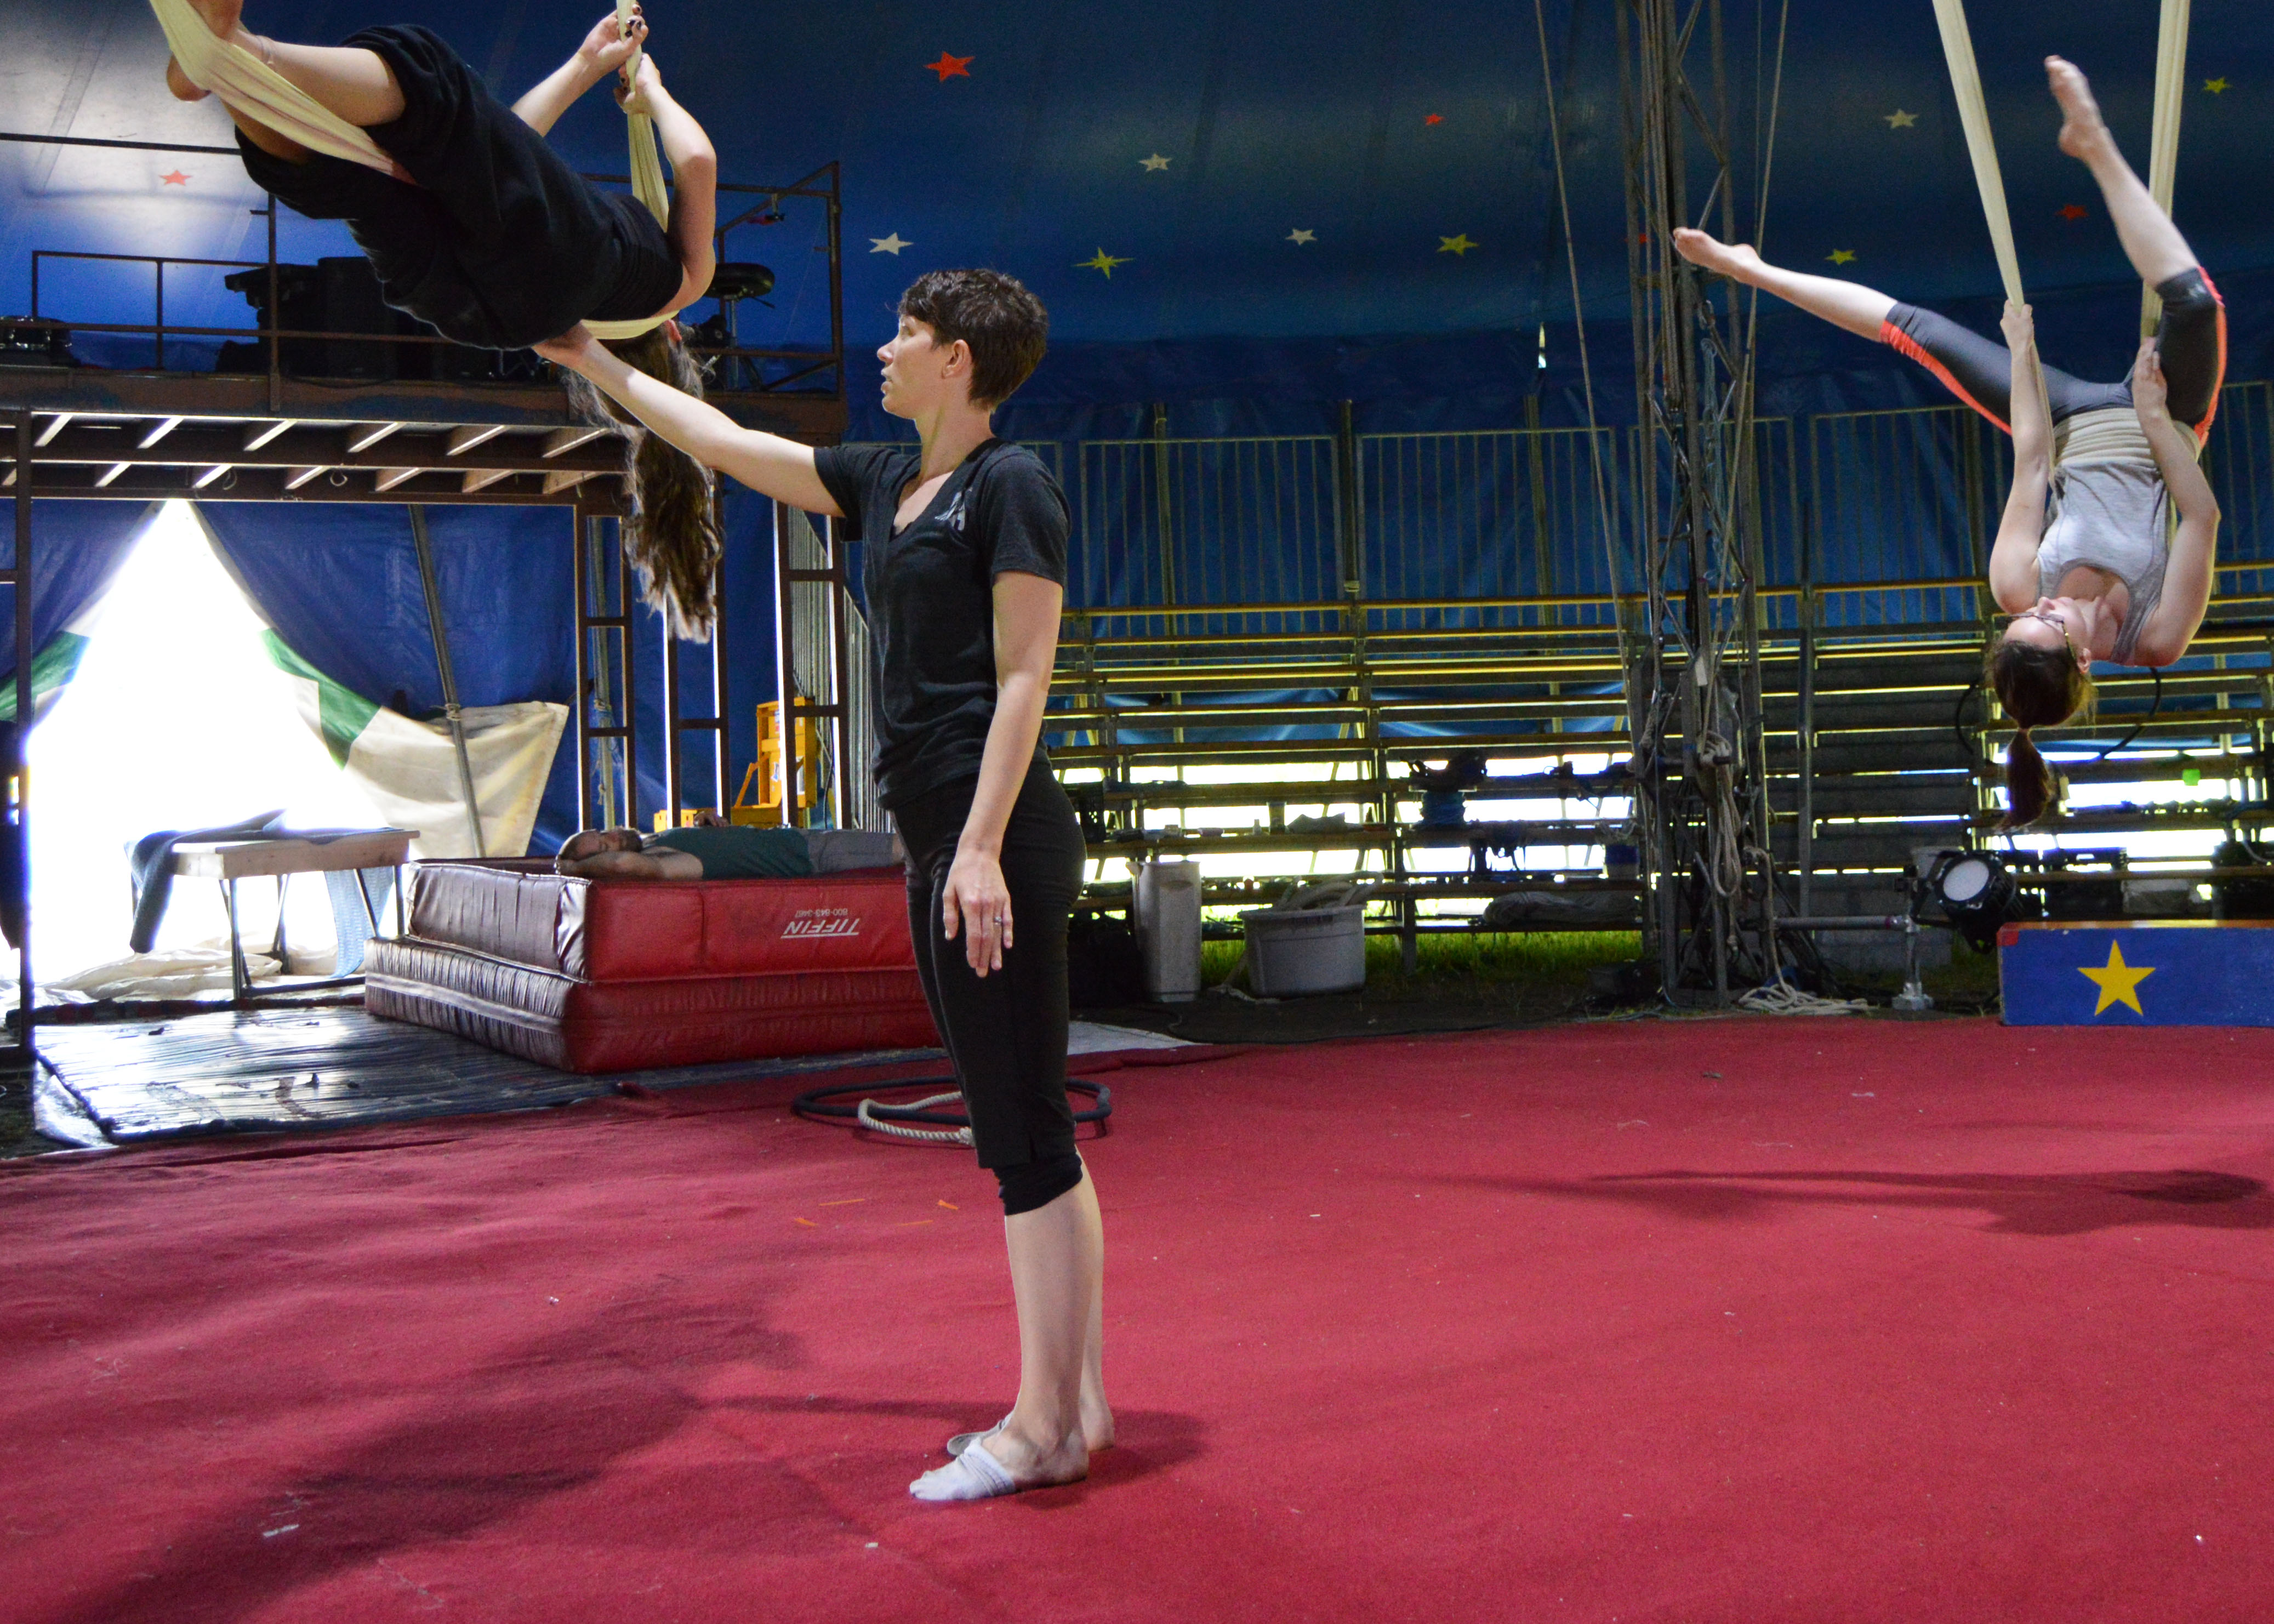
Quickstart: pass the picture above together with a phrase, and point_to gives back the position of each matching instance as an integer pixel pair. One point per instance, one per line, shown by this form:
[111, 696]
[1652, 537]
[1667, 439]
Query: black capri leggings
[2191, 340]
[1005, 1033]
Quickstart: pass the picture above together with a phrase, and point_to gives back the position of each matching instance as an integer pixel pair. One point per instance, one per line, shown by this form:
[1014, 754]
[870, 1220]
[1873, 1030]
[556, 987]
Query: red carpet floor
[1743, 1320]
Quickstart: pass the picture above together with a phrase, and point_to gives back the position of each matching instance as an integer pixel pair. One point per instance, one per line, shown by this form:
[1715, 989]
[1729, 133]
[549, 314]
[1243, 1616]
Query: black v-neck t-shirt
[930, 592]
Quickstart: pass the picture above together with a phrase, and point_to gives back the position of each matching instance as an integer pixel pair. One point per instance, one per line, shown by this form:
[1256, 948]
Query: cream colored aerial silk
[2163, 163]
[244, 82]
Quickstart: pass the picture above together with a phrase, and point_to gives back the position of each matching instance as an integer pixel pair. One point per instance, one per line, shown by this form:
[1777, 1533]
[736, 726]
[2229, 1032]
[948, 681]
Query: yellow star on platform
[2216, 86]
[1103, 263]
[2119, 982]
[1456, 247]
[1900, 120]
[1841, 256]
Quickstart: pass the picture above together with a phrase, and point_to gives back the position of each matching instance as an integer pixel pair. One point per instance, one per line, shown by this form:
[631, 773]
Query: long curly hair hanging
[672, 534]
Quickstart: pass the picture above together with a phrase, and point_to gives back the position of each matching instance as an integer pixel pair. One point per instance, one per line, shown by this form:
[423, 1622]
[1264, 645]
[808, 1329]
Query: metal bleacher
[1184, 653]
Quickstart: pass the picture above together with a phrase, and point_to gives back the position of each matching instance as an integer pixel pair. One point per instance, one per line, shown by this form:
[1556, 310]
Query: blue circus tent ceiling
[1360, 195]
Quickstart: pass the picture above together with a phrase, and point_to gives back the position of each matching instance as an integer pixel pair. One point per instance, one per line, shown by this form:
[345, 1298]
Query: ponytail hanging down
[2038, 688]
[672, 534]
[2029, 783]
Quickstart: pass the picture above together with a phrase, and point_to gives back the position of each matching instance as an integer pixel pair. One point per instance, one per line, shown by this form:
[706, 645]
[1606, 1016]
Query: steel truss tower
[1693, 678]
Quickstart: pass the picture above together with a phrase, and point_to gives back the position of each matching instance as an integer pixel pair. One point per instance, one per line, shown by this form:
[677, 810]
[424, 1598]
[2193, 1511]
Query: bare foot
[180, 83]
[1096, 1428]
[224, 17]
[2082, 131]
[1736, 259]
[221, 16]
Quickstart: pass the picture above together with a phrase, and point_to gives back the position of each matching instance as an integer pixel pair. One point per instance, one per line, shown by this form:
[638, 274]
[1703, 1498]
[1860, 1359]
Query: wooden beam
[104, 479]
[158, 432]
[256, 437]
[299, 476]
[390, 478]
[363, 438]
[564, 478]
[465, 440]
[482, 478]
[55, 426]
[569, 438]
[208, 477]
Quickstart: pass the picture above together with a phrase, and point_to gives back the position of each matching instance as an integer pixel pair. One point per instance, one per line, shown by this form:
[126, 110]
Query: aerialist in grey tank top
[2108, 509]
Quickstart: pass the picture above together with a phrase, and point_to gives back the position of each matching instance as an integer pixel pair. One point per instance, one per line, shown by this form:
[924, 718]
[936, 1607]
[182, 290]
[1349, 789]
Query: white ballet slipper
[962, 1441]
[972, 1475]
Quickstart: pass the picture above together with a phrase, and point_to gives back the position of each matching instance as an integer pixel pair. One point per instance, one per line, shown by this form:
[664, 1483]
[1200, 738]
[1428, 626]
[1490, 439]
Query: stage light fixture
[1974, 894]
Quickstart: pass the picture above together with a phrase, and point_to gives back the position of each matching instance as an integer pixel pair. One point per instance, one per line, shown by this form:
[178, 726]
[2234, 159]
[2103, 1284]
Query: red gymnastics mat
[1703, 1321]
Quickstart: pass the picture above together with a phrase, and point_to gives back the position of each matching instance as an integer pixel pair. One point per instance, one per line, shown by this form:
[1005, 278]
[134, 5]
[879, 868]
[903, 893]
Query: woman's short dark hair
[1005, 325]
[2038, 688]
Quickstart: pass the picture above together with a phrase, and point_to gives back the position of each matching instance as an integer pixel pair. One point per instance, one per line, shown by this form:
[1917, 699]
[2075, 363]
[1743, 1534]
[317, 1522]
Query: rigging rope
[250, 85]
[1580, 322]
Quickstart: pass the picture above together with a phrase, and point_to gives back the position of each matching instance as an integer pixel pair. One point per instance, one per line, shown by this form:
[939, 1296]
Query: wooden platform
[2174, 973]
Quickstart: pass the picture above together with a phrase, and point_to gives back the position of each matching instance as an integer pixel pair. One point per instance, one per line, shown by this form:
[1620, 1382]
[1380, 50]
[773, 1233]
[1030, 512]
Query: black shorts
[2191, 340]
[500, 243]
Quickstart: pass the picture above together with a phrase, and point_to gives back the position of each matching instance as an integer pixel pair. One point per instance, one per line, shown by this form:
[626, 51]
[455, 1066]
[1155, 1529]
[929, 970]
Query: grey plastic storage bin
[1293, 951]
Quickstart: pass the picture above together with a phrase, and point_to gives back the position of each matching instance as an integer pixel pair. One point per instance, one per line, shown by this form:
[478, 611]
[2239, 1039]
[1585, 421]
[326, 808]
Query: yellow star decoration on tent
[1456, 247]
[1841, 256]
[2216, 86]
[2119, 982]
[1900, 120]
[1103, 263]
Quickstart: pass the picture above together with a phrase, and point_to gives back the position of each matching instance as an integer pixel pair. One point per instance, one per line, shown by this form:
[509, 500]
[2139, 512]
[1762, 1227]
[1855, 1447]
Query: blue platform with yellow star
[2163, 973]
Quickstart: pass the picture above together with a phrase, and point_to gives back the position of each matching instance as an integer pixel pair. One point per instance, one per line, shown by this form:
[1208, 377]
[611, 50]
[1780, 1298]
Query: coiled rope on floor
[936, 1119]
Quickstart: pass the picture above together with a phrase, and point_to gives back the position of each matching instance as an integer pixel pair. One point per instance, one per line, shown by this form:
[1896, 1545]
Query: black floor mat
[266, 1070]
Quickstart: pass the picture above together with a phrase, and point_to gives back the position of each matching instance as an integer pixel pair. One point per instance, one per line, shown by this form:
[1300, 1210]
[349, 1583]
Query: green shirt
[741, 853]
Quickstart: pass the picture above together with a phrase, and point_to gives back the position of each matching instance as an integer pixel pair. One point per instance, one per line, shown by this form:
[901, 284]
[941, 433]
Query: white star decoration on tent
[1302, 235]
[892, 244]
[1155, 162]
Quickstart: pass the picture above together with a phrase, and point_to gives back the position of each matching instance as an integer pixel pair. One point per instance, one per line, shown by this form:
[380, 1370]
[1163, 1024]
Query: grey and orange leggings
[2191, 340]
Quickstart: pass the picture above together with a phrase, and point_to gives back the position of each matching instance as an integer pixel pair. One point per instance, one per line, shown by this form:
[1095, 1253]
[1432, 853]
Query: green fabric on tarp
[342, 714]
[408, 769]
[52, 669]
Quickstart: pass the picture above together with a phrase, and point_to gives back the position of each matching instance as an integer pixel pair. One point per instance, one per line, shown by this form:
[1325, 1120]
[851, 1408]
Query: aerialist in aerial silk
[478, 227]
[2087, 560]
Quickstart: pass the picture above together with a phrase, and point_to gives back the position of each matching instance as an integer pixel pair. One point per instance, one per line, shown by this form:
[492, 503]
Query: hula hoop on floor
[948, 1126]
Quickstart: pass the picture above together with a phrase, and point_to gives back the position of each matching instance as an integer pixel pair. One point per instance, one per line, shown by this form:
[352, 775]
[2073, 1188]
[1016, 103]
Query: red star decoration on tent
[1434, 118]
[176, 179]
[948, 67]
[2073, 211]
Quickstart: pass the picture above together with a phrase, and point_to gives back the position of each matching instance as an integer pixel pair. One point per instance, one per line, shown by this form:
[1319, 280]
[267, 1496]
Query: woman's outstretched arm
[605, 50]
[2014, 558]
[2195, 548]
[769, 464]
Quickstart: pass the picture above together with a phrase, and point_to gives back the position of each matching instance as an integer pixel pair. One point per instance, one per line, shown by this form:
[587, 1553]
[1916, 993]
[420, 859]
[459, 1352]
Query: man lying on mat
[715, 850]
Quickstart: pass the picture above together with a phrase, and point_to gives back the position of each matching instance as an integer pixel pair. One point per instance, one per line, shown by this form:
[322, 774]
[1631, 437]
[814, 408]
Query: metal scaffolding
[1694, 680]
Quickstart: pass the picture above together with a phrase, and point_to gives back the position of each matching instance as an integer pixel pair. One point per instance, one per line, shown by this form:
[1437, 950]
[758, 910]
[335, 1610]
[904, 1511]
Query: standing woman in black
[964, 568]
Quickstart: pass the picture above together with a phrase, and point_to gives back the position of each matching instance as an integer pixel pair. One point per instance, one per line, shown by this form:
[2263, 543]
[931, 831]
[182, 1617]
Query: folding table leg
[238, 981]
